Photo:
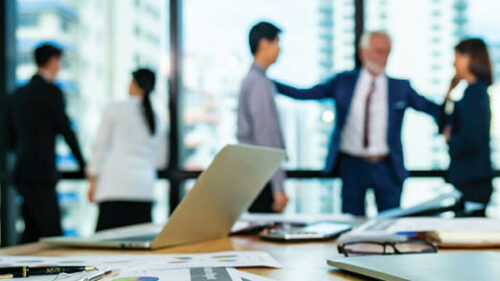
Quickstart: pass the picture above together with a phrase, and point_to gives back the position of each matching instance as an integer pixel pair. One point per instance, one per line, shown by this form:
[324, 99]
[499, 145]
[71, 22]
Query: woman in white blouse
[122, 170]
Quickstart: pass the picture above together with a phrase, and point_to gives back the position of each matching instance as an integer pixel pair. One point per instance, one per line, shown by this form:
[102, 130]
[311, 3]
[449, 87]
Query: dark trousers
[122, 213]
[264, 202]
[358, 175]
[41, 212]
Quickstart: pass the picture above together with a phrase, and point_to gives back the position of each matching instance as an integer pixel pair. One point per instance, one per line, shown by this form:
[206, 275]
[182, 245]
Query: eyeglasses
[365, 248]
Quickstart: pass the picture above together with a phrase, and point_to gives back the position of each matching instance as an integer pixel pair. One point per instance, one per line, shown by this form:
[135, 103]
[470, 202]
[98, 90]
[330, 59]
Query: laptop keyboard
[145, 238]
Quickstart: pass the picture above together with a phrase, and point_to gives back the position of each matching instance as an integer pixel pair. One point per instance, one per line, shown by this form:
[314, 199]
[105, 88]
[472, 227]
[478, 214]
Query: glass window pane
[422, 53]
[79, 217]
[315, 196]
[306, 196]
[424, 34]
[317, 40]
[323, 196]
[103, 42]
[101, 49]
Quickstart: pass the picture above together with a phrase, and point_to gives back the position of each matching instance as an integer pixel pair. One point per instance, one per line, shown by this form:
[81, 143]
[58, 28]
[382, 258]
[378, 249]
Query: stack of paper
[457, 232]
[193, 267]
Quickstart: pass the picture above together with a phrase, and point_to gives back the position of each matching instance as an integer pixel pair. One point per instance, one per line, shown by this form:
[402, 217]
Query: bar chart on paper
[136, 279]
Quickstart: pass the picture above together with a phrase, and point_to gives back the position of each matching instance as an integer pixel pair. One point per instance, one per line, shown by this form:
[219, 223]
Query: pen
[25, 271]
[101, 275]
[110, 275]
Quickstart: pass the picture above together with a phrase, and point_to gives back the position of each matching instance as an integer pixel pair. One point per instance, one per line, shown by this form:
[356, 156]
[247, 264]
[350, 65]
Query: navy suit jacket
[341, 88]
[470, 152]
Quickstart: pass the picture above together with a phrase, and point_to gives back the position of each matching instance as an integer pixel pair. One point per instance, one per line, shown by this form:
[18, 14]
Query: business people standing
[36, 116]
[366, 143]
[468, 134]
[258, 120]
[122, 170]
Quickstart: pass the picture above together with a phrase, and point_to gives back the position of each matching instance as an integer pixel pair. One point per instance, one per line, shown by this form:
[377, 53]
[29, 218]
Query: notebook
[455, 232]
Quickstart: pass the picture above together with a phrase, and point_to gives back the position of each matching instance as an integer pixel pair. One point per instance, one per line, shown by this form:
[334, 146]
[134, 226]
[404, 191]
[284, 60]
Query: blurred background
[199, 49]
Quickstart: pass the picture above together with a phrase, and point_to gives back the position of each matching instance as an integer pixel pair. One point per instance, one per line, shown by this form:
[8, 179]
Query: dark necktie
[366, 130]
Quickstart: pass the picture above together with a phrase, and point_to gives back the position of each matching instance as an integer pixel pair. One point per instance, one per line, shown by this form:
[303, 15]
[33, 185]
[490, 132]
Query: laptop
[221, 194]
[454, 266]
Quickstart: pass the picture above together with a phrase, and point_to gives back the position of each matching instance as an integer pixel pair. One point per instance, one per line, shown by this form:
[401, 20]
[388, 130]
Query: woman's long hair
[479, 64]
[145, 78]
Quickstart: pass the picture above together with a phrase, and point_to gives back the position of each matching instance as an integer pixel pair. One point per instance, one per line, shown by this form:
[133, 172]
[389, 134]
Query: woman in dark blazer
[468, 127]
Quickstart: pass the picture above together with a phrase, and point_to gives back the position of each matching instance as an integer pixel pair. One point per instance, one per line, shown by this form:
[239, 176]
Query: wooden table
[300, 261]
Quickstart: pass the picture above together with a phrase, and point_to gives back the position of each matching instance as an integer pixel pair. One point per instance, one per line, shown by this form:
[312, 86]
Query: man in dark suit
[36, 116]
[366, 144]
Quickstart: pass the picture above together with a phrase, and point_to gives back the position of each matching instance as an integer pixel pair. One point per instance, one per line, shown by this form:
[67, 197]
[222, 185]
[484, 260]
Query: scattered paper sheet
[245, 276]
[214, 274]
[221, 259]
[146, 267]
[187, 274]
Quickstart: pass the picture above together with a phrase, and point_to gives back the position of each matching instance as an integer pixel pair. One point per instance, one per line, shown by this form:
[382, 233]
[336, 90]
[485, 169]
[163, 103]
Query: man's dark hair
[45, 52]
[262, 30]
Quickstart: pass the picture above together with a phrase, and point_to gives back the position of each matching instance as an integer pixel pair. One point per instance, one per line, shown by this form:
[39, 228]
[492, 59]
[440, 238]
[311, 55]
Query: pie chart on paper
[136, 279]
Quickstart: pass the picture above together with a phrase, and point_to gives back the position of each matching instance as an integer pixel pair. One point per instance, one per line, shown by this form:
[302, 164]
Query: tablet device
[312, 232]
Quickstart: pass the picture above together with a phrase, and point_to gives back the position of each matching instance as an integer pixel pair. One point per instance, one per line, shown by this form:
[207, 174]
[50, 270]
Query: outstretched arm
[422, 104]
[320, 91]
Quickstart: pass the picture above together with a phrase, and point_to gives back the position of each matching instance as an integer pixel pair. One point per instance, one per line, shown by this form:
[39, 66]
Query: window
[28, 20]
[424, 34]
[427, 61]
[101, 48]
[316, 42]
[80, 217]
[105, 40]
